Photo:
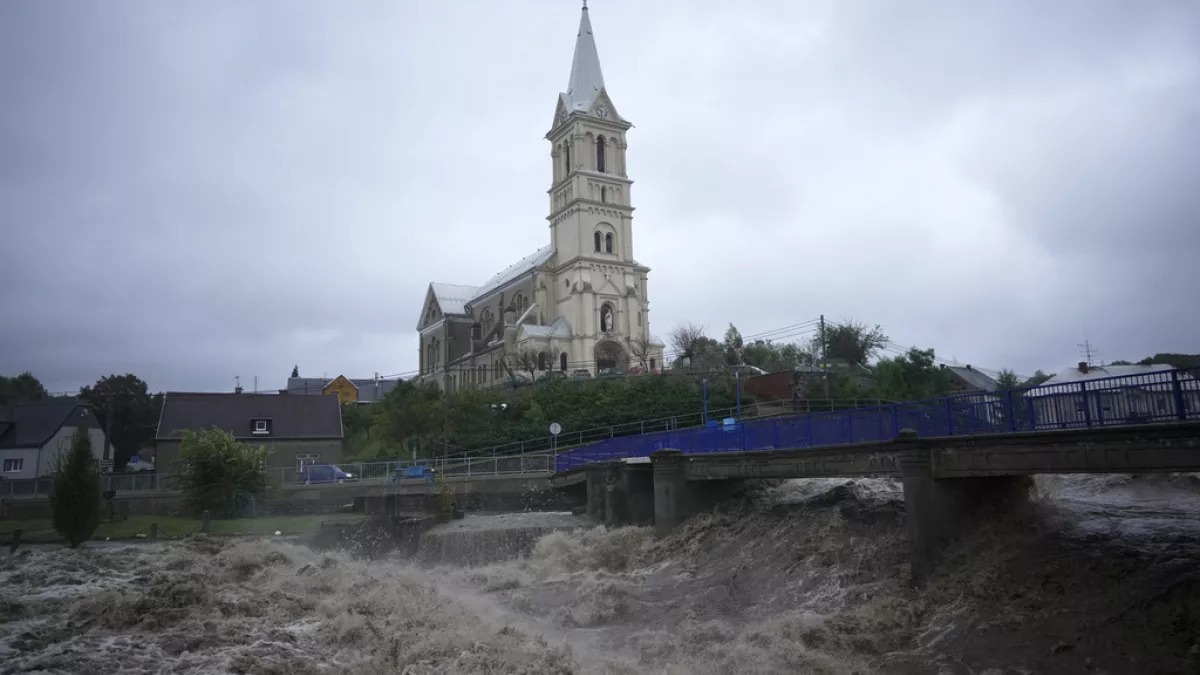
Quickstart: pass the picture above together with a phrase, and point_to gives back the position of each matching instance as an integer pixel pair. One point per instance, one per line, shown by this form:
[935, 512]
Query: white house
[34, 434]
[1114, 394]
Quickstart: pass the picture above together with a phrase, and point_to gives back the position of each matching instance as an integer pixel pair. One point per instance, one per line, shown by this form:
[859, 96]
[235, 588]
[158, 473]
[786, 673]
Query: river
[1097, 575]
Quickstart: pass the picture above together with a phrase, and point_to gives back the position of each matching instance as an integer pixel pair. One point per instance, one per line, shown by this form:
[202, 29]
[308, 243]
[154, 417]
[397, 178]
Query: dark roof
[291, 416]
[32, 424]
[973, 378]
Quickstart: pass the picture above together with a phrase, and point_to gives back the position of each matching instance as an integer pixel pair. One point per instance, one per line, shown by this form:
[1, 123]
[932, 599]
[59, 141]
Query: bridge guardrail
[1169, 395]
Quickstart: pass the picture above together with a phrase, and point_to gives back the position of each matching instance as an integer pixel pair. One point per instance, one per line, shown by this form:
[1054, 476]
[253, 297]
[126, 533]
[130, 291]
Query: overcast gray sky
[195, 190]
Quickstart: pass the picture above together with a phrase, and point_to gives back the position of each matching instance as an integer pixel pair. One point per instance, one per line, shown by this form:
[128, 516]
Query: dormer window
[260, 427]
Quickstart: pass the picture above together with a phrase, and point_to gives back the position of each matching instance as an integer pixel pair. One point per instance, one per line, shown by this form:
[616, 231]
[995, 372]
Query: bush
[75, 500]
[220, 474]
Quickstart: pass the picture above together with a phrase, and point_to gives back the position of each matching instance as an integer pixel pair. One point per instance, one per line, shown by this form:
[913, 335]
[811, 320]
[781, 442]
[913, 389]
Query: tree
[23, 387]
[685, 341]
[912, 376]
[641, 351]
[733, 346]
[218, 473]
[1008, 380]
[1036, 379]
[125, 407]
[773, 357]
[529, 360]
[854, 342]
[75, 501]
[296, 370]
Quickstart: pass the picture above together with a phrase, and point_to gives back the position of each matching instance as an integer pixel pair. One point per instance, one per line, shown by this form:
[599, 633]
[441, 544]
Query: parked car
[325, 473]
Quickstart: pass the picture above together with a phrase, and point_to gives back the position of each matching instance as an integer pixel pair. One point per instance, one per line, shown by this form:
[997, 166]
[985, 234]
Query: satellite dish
[555, 429]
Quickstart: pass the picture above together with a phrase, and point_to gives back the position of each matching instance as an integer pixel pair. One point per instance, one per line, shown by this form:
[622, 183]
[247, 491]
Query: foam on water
[808, 577]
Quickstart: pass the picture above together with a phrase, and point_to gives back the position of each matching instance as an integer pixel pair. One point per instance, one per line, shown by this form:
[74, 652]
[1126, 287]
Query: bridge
[953, 454]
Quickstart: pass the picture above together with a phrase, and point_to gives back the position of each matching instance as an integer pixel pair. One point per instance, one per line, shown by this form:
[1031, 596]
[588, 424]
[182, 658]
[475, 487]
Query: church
[577, 306]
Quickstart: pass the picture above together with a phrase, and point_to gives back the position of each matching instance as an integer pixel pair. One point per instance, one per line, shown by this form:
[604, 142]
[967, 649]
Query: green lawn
[41, 530]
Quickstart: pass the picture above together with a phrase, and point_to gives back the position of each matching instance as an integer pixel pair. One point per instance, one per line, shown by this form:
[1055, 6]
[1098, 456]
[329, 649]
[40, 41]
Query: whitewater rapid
[1098, 575]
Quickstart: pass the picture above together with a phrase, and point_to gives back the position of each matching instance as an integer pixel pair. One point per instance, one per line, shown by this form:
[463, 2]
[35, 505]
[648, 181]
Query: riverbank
[41, 530]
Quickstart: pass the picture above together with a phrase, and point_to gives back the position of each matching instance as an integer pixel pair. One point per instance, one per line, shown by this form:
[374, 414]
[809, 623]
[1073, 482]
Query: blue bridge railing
[1160, 396]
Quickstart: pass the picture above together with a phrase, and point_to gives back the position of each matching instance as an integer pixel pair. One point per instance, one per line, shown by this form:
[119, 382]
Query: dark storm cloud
[197, 190]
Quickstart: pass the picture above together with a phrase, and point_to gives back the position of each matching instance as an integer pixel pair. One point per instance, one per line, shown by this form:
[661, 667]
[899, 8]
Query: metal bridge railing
[1163, 396]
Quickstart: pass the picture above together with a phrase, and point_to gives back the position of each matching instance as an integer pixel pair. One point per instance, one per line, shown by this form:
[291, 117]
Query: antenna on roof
[237, 384]
[1088, 351]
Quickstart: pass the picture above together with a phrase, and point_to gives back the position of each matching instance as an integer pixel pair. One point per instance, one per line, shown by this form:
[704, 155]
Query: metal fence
[377, 472]
[1163, 396]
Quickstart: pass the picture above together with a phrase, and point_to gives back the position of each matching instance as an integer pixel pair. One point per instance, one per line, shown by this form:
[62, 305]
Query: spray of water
[1096, 575]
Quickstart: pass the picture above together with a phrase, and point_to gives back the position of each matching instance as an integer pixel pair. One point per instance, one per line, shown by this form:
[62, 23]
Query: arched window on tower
[603, 194]
[596, 237]
[608, 243]
[567, 158]
[600, 154]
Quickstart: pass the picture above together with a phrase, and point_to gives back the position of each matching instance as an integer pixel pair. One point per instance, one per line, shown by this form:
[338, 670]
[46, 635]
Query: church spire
[586, 78]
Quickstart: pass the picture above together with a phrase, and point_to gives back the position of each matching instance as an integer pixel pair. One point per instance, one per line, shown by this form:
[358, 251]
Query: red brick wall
[777, 386]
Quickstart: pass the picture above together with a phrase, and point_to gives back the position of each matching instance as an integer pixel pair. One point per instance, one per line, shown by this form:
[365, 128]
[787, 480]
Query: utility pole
[824, 372]
[108, 415]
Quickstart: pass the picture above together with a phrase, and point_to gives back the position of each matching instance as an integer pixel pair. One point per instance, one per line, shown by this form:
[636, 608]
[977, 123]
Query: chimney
[1083, 367]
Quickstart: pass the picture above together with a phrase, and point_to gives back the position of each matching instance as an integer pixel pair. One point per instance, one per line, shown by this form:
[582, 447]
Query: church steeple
[586, 78]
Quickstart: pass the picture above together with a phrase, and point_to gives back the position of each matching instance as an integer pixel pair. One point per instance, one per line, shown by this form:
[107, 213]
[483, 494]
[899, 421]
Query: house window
[562, 362]
[608, 243]
[306, 459]
[596, 237]
[14, 464]
[261, 427]
[600, 154]
[542, 360]
[651, 364]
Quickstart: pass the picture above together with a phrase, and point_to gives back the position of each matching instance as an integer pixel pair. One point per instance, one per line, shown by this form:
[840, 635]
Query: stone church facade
[581, 302]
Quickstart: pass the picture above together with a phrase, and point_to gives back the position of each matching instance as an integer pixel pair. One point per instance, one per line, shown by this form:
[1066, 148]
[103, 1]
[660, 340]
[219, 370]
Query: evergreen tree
[296, 370]
[76, 497]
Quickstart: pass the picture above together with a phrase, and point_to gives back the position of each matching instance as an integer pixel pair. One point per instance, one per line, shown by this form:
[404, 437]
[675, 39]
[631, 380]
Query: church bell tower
[598, 286]
[590, 210]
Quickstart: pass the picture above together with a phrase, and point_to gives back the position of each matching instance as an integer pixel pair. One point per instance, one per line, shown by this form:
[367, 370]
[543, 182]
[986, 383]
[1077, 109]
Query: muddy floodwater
[1097, 575]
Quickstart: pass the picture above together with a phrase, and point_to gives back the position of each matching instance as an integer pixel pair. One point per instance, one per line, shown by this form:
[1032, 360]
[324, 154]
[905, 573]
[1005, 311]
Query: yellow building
[343, 388]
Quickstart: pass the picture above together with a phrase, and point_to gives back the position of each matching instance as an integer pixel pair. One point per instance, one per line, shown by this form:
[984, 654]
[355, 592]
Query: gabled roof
[32, 424]
[558, 329]
[974, 378]
[515, 271]
[587, 81]
[453, 298]
[292, 417]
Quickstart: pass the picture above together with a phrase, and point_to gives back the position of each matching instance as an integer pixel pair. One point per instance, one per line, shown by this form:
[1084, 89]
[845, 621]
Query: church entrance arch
[610, 357]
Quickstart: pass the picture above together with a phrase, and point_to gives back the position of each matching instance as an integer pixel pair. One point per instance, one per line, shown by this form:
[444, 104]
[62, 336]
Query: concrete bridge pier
[939, 509]
[620, 493]
[676, 498]
[595, 476]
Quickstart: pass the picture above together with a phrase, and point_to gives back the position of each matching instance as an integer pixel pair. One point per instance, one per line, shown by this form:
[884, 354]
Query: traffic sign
[555, 429]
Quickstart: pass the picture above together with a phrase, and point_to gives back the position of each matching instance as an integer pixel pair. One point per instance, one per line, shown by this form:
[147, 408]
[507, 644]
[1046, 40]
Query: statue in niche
[606, 319]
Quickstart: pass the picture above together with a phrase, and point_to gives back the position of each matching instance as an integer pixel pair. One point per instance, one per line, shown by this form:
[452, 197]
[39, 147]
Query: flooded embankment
[1098, 575]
